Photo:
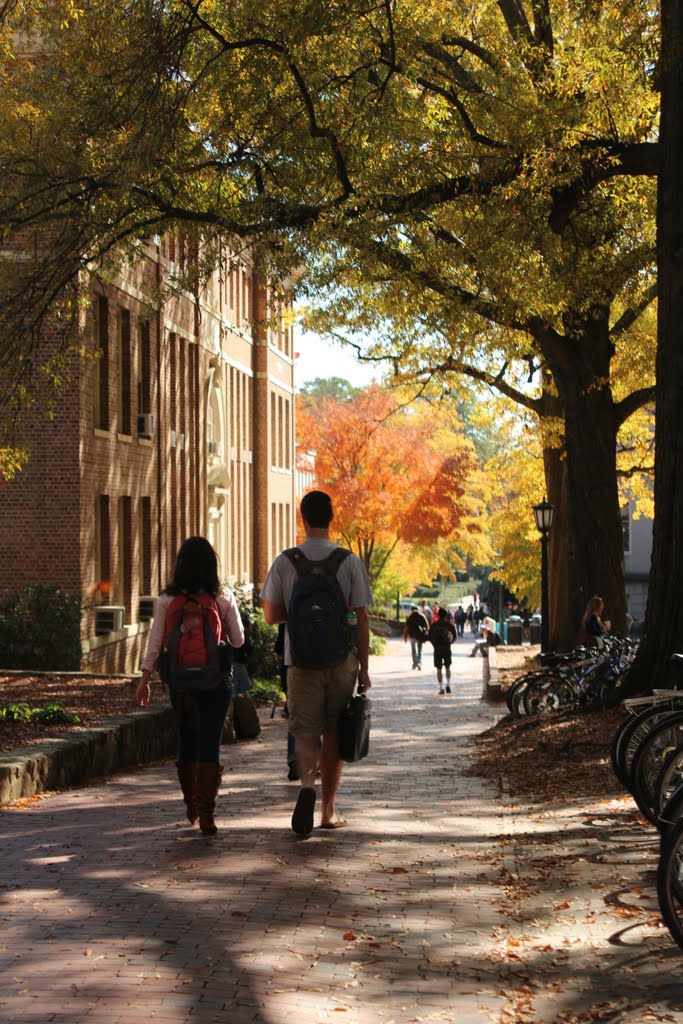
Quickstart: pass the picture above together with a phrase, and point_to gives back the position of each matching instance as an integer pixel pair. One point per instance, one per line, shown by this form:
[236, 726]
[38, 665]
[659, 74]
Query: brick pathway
[112, 911]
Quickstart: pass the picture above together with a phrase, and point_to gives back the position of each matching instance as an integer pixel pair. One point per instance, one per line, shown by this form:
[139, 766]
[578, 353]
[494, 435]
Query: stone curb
[120, 742]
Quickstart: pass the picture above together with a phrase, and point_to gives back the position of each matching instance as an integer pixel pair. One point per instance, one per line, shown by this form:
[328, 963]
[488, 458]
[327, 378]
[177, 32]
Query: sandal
[302, 818]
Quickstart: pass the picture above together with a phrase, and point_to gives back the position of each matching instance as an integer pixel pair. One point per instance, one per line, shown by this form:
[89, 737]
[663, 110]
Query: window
[173, 389]
[124, 371]
[125, 556]
[280, 432]
[247, 315]
[144, 396]
[182, 386]
[102, 550]
[101, 345]
[145, 534]
[626, 527]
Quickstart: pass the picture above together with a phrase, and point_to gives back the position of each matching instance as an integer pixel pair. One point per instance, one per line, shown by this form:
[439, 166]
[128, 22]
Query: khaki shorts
[315, 696]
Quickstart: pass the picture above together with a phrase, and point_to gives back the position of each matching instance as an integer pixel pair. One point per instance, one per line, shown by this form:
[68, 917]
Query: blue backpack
[319, 633]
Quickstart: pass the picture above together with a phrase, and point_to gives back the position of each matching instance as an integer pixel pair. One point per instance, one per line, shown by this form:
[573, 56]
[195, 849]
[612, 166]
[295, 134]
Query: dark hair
[196, 568]
[594, 603]
[443, 613]
[316, 509]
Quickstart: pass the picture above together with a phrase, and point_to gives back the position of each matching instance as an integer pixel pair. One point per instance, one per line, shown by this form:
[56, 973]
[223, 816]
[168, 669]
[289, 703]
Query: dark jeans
[201, 717]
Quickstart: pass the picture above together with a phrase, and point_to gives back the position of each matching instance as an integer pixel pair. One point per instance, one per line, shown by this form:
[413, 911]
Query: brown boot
[208, 780]
[187, 777]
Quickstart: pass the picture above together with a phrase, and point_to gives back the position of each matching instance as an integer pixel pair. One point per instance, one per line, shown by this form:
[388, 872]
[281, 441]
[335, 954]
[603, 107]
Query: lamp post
[543, 514]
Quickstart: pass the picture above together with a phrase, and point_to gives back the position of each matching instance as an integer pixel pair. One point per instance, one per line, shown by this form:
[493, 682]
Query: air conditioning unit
[214, 448]
[146, 608]
[181, 442]
[146, 424]
[108, 619]
[172, 436]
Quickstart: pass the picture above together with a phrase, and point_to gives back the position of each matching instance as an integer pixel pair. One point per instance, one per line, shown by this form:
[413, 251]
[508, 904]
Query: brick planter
[77, 757]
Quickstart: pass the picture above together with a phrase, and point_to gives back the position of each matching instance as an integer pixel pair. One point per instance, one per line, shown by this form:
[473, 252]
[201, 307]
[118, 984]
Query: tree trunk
[562, 628]
[589, 519]
[596, 546]
[664, 616]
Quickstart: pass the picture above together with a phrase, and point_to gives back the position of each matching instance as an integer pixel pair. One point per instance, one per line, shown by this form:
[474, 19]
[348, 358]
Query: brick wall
[101, 509]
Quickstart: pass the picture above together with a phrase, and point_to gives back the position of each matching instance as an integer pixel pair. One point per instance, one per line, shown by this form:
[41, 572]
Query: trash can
[514, 630]
[535, 631]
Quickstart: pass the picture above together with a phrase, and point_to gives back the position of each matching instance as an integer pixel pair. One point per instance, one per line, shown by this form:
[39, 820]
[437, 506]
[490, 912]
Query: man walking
[441, 636]
[317, 691]
[416, 630]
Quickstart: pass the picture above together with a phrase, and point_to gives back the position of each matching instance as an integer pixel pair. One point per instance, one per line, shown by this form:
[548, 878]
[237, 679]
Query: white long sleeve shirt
[229, 614]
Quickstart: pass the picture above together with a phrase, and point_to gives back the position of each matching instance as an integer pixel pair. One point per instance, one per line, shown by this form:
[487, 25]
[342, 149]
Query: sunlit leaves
[397, 478]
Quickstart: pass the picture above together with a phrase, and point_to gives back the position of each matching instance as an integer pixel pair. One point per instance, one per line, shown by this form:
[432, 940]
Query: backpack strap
[307, 566]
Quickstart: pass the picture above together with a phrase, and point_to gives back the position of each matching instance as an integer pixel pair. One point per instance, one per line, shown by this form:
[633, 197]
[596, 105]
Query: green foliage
[52, 713]
[387, 586]
[377, 644]
[40, 629]
[49, 714]
[425, 590]
[264, 661]
[15, 713]
[329, 388]
[265, 691]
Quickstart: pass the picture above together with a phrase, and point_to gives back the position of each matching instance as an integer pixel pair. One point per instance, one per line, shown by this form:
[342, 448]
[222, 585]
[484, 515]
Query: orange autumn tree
[395, 477]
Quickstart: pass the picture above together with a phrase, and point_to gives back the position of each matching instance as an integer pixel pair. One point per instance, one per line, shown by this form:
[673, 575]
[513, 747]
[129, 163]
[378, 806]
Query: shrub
[266, 691]
[51, 713]
[48, 714]
[264, 661]
[377, 644]
[15, 713]
[40, 628]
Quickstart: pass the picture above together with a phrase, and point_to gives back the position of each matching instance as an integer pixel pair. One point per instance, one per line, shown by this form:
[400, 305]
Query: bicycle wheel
[511, 695]
[587, 686]
[619, 738]
[515, 693]
[552, 694]
[668, 781]
[631, 738]
[670, 882]
[672, 813]
[666, 736]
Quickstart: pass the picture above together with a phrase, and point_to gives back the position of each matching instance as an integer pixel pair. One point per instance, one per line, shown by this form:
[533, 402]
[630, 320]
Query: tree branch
[616, 159]
[543, 30]
[482, 54]
[461, 75]
[629, 316]
[516, 21]
[316, 131]
[636, 400]
[452, 97]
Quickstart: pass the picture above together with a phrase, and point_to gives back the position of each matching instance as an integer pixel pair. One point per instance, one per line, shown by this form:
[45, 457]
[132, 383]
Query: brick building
[183, 425]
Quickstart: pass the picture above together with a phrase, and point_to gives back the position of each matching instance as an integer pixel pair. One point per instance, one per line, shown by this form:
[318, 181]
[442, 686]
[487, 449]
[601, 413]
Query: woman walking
[200, 713]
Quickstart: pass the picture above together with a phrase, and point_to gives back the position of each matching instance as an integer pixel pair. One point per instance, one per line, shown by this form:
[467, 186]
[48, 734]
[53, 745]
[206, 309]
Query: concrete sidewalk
[440, 902]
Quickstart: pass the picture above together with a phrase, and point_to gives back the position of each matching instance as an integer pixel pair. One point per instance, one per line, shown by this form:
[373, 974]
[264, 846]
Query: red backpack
[194, 653]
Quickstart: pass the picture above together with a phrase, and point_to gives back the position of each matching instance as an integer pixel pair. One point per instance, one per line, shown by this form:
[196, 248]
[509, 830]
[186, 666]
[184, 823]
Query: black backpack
[319, 633]
[440, 634]
[245, 718]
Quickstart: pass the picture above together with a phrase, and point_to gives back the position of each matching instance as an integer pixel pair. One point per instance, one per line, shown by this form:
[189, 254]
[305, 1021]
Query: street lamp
[543, 514]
